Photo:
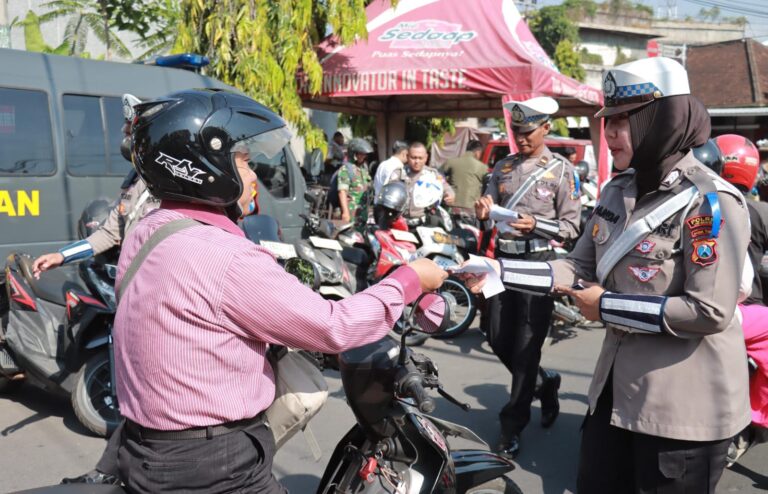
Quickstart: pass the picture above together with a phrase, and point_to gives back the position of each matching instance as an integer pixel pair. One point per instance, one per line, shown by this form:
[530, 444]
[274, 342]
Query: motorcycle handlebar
[415, 390]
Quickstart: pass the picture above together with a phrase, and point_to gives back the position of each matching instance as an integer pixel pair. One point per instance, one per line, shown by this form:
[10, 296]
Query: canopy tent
[444, 58]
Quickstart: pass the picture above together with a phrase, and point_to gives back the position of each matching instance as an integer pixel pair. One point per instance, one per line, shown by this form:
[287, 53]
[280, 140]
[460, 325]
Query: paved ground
[41, 441]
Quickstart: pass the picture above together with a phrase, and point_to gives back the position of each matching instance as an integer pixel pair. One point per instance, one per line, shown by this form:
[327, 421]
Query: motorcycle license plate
[279, 249]
[445, 262]
[325, 243]
[404, 236]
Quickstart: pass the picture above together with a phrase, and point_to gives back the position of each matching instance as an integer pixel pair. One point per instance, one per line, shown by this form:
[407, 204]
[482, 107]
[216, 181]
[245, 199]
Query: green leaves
[259, 45]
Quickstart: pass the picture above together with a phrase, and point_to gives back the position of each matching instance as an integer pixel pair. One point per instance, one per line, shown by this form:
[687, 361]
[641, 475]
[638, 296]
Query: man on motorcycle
[417, 172]
[193, 324]
[540, 186]
[740, 164]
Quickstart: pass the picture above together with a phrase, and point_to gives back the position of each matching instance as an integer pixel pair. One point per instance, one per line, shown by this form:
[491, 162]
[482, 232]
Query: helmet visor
[267, 144]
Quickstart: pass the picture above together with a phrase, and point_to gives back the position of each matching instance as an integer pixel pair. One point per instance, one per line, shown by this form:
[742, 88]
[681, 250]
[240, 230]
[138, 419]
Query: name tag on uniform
[325, 243]
[279, 249]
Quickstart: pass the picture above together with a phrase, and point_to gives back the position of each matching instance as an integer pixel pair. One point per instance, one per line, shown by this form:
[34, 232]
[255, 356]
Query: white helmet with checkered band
[635, 84]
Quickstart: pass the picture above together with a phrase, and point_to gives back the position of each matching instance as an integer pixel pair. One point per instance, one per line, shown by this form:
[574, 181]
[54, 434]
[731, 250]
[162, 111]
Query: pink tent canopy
[448, 58]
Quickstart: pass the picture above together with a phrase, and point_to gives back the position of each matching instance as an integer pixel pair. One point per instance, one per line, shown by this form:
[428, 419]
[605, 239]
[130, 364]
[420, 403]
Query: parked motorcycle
[395, 446]
[321, 248]
[57, 333]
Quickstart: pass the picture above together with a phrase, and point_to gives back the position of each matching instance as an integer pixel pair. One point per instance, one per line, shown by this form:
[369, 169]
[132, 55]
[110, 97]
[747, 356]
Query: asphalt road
[41, 440]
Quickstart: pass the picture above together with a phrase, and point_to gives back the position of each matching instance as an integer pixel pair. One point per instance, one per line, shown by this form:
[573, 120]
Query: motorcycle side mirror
[305, 271]
[430, 314]
[316, 162]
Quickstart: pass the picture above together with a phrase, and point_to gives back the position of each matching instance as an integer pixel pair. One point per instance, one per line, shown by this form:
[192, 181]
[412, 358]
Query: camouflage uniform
[355, 186]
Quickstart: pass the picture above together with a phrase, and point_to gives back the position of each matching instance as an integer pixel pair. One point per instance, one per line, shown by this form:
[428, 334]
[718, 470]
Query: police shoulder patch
[704, 251]
[645, 247]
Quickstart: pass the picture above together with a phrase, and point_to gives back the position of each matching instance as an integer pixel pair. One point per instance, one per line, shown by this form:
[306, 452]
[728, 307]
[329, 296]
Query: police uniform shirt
[553, 200]
[672, 342]
[135, 202]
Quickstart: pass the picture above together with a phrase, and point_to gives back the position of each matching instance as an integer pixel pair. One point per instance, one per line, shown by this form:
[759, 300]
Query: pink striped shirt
[191, 330]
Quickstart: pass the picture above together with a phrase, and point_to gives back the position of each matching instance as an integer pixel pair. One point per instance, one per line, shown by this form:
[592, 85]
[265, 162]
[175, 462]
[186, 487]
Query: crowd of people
[668, 261]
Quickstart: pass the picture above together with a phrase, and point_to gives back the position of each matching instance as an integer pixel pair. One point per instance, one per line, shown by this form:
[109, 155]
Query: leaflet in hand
[480, 265]
[502, 216]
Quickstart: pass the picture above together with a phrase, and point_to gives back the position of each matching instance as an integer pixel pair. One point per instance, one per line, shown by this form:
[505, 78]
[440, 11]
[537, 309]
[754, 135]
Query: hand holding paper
[480, 271]
[502, 216]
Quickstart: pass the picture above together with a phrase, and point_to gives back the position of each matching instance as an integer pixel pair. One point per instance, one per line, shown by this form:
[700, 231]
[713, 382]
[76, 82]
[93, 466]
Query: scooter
[57, 333]
[395, 446]
[325, 253]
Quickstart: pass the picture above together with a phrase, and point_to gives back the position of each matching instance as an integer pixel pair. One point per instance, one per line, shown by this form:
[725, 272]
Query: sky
[754, 10]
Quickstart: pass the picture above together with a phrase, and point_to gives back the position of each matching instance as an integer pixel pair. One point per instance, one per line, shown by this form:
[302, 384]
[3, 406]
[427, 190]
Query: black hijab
[662, 133]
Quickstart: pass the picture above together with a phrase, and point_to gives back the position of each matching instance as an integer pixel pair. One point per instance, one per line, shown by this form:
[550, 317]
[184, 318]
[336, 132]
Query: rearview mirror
[316, 162]
[305, 271]
[430, 314]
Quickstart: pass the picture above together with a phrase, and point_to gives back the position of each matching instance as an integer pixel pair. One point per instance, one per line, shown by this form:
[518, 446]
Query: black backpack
[333, 191]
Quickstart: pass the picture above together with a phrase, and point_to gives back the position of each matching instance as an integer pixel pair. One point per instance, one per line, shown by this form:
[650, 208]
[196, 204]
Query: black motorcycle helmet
[184, 144]
[582, 168]
[94, 215]
[709, 154]
[390, 203]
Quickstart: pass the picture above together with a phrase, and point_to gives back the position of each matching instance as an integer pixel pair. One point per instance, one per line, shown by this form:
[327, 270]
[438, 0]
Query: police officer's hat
[637, 84]
[530, 114]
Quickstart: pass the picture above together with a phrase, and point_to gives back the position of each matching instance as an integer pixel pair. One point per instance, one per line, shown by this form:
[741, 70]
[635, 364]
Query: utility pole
[5, 28]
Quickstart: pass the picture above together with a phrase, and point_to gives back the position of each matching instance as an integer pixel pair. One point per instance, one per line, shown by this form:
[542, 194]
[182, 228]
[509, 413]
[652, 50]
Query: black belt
[205, 432]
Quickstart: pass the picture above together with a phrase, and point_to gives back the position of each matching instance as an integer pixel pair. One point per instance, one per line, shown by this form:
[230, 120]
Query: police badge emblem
[645, 247]
[704, 252]
[644, 274]
[518, 117]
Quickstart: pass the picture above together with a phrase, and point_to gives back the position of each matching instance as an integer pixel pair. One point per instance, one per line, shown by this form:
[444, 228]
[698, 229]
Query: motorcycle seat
[52, 285]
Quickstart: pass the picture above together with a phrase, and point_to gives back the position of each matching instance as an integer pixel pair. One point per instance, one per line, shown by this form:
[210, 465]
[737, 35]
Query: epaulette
[508, 161]
[561, 158]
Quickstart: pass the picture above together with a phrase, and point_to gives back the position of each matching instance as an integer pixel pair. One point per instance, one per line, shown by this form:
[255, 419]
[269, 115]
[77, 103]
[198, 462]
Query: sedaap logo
[426, 34]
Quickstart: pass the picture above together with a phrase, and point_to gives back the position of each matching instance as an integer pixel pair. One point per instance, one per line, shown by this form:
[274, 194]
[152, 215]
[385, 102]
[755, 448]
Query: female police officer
[662, 255]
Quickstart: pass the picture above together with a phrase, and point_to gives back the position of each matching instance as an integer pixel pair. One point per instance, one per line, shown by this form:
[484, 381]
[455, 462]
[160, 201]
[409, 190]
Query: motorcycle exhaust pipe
[567, 314]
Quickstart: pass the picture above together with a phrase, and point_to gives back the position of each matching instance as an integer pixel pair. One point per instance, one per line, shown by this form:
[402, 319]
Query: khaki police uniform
[519, 322]
[409, 178]
[135, 202]
[686, 377]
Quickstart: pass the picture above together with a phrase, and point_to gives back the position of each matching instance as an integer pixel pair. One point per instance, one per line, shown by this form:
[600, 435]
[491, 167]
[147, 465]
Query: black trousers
[622, 462]
[518, 326]
[240, 461]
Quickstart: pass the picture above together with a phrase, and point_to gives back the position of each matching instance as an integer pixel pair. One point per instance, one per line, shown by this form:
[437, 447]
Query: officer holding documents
[661, 265]
[540, 186]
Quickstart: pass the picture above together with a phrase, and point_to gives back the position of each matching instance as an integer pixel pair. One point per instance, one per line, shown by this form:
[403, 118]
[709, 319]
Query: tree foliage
[427, 130]
[559, 36]
[154, 21]
[258, 46]
[85, 17]
[33, 37]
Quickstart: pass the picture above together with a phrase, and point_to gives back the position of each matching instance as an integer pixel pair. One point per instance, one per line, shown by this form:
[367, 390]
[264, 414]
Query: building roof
[639, 32]
[730, 74]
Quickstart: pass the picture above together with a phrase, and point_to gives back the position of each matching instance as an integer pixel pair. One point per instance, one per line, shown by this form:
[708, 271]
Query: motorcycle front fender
[474, 467]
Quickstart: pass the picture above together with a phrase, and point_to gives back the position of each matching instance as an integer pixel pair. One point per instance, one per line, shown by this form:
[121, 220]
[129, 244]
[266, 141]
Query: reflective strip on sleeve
[527, 276]
[643, 312]
[547, 228]
[76, 251]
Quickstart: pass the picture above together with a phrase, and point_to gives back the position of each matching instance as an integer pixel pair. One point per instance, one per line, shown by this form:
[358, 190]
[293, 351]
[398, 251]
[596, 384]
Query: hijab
[662, 134]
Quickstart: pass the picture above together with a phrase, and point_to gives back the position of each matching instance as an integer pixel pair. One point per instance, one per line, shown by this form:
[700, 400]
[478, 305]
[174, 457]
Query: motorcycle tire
[415, 338]
[91, 398]
[501, 485]
[464, 308]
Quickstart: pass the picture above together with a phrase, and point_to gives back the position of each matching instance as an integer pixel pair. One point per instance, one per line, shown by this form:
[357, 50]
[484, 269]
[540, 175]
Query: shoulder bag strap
[158, 236]
[512, 201]
[640, 229]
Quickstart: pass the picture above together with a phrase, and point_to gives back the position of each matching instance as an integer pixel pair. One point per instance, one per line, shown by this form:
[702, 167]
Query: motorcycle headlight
[327, 275]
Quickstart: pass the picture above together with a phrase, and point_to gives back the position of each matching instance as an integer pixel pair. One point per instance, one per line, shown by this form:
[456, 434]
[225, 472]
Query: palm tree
[84, 17]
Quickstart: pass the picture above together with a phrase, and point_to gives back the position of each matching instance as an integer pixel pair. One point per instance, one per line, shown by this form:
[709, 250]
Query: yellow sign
[27, 203]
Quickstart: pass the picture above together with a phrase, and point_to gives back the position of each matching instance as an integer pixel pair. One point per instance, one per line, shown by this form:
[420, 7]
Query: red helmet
[741, 160]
